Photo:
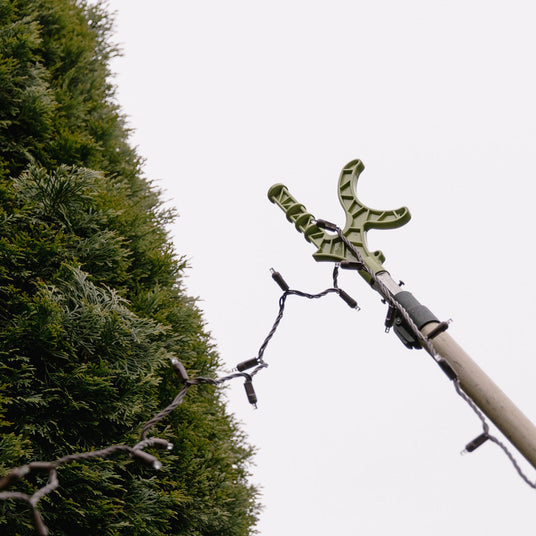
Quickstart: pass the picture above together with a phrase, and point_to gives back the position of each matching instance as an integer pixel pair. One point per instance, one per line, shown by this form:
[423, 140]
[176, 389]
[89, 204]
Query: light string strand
[257, 363]
[427, 344]
[138, 450]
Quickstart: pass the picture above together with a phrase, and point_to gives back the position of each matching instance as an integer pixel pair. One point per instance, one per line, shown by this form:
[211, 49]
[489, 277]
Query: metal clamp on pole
[420, 315]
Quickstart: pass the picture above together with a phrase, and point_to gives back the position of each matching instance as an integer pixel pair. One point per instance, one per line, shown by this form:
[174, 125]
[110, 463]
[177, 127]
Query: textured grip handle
[359, 219]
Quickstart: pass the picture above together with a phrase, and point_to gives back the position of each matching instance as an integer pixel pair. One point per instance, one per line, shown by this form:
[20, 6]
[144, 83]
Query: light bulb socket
[179, 369]
[244, 365]
[477, 441]
[278, 278]
[147, 458]
[348, 299]
[250, 392]
[158, 442]
[327, 225]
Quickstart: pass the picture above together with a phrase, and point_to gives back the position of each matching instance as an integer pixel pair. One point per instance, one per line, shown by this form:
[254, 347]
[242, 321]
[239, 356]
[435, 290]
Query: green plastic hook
[359, 219]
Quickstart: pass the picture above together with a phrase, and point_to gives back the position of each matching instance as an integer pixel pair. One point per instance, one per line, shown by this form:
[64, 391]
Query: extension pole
[415, 325]
[519, 430]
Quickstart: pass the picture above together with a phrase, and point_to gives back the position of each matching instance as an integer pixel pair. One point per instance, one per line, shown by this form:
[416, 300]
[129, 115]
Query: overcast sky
[355, 434]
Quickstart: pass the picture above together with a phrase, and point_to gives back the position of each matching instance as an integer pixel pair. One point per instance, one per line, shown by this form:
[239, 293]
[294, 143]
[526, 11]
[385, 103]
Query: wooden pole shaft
[519, 430]
[487, 396]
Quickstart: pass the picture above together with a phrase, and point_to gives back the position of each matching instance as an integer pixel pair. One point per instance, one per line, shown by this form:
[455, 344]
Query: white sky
[356, 434]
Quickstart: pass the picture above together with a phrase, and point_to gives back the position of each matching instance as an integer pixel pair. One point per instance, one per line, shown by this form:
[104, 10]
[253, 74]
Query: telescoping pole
[413, 323]
[476, 384]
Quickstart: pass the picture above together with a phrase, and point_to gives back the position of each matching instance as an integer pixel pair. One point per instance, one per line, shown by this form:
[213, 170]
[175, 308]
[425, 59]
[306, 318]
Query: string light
[257, 363]
[245, 365]
[179, 369]
[250, 391]
[276, 276]
[426, 342]
[138, 452]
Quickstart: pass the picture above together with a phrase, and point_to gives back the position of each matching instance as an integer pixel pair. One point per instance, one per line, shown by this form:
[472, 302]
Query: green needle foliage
[91, 303]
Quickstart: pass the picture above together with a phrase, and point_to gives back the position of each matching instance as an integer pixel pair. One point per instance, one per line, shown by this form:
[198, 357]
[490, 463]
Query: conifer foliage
[91, 303]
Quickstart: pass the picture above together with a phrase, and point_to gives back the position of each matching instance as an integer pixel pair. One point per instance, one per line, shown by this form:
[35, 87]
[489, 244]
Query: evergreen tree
[91, 303]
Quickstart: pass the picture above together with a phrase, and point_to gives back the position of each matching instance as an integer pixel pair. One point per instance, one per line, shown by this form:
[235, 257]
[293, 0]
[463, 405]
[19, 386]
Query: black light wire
[138, 450]
[257, 363]
[427, 343]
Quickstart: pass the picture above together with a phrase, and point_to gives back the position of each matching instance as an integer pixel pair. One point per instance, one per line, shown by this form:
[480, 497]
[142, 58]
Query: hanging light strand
[258, 361]
[138, 451]
[426, 342]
